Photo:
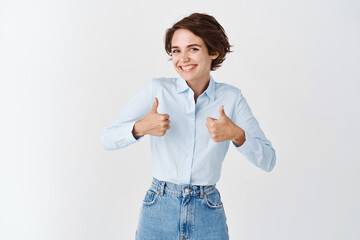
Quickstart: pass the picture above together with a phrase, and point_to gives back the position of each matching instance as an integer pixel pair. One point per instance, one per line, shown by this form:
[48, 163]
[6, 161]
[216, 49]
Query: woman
[183, 202]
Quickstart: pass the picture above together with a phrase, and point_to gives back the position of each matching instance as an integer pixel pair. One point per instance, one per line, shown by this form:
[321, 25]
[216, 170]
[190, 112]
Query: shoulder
[163, 82]
[228, 90]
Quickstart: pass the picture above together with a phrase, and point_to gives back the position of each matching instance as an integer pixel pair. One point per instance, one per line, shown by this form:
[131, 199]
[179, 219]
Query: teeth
[188, 67]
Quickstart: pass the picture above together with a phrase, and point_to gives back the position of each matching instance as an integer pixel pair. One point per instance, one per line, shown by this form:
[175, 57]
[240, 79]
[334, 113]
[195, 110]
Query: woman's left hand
[223, 129]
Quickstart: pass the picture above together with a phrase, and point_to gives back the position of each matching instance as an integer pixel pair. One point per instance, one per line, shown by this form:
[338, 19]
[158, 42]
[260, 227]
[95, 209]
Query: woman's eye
[175, 51]
[194, 49]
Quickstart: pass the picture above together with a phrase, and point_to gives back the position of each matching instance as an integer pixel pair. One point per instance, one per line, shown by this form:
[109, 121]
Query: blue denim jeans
[182, 212]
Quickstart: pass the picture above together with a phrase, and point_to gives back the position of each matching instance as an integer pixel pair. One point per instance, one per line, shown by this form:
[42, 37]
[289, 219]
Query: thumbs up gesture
[153, 123]
[223, 129]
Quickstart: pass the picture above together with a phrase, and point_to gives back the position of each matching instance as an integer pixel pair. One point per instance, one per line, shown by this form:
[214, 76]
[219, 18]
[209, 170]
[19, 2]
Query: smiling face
[190, 56]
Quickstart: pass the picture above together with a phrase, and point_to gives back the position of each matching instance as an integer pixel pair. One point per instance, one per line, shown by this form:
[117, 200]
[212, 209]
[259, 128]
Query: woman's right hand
[153, 123]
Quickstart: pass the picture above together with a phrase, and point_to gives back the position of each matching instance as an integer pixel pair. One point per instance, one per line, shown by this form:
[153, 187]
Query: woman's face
[190, 56]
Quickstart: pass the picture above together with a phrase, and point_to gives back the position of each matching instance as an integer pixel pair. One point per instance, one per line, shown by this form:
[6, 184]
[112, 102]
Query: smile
[188, 68]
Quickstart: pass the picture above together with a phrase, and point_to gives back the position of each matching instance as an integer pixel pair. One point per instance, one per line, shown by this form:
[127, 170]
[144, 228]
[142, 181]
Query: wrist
[137, 130]
[239, 136]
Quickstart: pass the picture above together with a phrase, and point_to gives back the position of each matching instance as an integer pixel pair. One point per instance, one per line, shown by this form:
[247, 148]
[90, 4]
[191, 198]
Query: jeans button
[186, 190]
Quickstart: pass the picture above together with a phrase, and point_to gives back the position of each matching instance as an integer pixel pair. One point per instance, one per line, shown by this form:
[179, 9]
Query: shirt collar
[210, 91]
[181, 86]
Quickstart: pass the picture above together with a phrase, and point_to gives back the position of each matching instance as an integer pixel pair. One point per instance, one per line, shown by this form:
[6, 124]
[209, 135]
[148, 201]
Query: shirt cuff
[248, 145]
[130, 136]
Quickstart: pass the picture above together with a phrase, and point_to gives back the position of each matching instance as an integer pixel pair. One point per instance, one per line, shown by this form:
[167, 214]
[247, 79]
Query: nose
[184, 57]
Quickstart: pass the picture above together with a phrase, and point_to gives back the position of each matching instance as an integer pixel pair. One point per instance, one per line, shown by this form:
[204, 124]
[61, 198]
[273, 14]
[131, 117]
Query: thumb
[155, 106]
[210, 119]
[222, 112]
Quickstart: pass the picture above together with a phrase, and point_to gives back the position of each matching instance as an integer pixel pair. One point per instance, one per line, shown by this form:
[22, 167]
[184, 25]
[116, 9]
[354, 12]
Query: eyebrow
[188, 46]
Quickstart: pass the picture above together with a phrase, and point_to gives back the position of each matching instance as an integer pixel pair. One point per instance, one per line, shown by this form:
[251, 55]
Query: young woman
[191, 120]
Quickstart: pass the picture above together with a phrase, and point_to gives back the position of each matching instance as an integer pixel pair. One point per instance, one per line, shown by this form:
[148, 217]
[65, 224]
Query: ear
[214, 55]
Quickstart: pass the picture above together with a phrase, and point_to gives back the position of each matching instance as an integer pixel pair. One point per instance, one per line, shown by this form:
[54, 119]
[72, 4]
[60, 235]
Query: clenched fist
[153, 123]
[223, 129]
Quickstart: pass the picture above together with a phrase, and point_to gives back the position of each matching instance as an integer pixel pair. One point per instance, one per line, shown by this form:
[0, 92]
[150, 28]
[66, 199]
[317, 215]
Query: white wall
[68, 67]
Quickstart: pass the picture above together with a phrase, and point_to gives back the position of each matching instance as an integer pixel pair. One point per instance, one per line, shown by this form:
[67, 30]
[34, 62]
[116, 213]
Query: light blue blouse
[186, 154]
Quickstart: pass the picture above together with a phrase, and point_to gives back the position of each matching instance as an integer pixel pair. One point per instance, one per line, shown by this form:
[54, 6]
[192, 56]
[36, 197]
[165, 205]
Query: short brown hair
[209, 30]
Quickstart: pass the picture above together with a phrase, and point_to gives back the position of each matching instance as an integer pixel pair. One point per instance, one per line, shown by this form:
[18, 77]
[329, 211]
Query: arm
[119, 133]
[255, 147]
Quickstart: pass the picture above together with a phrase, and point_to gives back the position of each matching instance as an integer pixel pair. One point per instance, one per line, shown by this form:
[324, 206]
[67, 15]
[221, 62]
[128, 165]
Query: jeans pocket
[213, 199]
[150, 197]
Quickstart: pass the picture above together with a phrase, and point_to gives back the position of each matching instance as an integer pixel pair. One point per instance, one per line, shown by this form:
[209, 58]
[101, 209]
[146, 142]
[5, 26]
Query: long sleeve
[119, 133]
[257, 148]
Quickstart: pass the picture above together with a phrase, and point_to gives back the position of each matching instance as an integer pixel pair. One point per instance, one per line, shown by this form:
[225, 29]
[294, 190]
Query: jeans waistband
[180, 190]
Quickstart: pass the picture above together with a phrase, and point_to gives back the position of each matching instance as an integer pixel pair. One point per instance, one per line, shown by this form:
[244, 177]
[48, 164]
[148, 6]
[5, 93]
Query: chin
[187, 76]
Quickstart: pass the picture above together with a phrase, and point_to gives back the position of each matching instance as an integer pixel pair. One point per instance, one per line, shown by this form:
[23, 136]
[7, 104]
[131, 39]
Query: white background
[68, 67]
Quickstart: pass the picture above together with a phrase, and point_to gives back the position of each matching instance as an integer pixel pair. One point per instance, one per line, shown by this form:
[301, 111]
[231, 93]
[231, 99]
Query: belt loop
[202, 192]
[162, 188]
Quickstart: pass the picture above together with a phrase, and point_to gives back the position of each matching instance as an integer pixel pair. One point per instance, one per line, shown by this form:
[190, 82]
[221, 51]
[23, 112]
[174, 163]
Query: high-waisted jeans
[182, 212]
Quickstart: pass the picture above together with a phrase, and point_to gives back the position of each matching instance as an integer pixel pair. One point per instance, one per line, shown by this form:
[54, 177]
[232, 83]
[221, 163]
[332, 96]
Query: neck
[198, 87]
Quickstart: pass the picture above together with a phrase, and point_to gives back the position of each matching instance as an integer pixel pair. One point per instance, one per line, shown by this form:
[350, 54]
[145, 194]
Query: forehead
[183, 37]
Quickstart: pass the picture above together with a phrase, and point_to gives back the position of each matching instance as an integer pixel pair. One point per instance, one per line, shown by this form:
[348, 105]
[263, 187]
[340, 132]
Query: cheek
[207, 62]
[174, 60]
[204, 59]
